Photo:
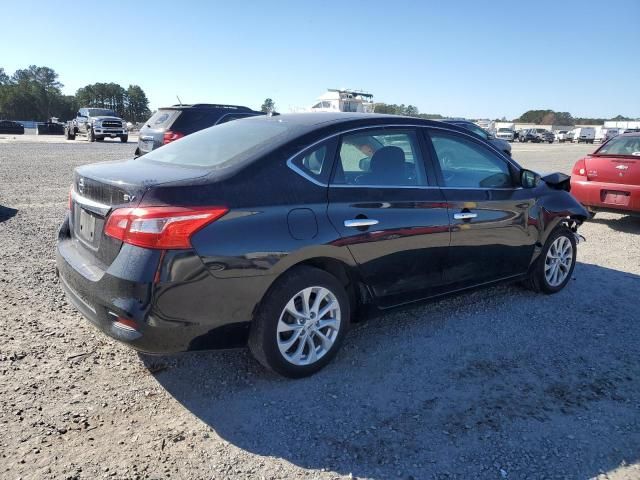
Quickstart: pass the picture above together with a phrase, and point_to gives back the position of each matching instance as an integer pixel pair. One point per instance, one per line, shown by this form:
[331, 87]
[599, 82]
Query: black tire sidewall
[263, 336]
[542, 279]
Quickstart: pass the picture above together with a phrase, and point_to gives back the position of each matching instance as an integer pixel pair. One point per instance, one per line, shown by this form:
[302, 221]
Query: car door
[491, 235]
[389, 212]
[81, 120]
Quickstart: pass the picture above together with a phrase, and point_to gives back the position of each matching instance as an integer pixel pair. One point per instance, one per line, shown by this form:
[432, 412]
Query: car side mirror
[529, 179]
[364, 164]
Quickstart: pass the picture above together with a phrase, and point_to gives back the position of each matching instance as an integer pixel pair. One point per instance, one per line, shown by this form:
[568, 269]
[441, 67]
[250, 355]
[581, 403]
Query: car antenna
[179, 101]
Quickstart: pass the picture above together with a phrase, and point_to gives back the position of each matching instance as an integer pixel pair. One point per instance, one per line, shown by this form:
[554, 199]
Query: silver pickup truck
[97, 124]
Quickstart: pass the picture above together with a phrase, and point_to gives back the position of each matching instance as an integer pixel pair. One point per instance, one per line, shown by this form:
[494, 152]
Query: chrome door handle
[360, 222]
[464, 216]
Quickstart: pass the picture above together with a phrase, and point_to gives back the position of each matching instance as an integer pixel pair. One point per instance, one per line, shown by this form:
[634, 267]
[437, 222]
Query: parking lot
[497, 383]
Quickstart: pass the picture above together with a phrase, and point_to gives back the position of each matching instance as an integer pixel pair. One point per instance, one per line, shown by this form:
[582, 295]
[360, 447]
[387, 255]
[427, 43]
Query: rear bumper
[170, 313]
[615, 197]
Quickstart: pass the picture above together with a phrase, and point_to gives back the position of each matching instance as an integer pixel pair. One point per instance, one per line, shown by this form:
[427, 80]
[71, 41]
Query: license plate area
[615, 197]
[86, 227]
[147, 145]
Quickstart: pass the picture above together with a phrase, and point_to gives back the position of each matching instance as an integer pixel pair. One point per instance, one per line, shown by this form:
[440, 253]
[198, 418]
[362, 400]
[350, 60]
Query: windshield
[101, 112]
[225, 145]
[621, 146]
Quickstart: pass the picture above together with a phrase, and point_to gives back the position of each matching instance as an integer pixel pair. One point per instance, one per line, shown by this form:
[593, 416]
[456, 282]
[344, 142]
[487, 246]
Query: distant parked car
[96, 124]
[172, 123]
[505, 134]
[611, 133]
[583, 135]
[609, 178]
[561, 135]
[545, 135]
[14, 128]
[500, 144]
[529, 135]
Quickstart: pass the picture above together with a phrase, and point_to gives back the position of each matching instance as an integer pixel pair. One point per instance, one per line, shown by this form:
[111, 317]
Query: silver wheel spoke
[287, 344]
[312, 356]
[326, 341]
[330, 322]
[291, 310]
[326, 309]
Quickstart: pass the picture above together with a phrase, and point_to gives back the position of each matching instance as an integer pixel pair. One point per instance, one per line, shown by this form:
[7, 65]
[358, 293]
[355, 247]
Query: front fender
[556, 207]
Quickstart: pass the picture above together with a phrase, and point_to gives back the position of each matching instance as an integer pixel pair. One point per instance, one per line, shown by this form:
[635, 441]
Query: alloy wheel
[308, 325]
[558, 262]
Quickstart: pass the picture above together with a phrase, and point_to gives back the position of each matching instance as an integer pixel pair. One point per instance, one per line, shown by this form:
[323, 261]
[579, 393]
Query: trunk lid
[624, 170]
[99, 188]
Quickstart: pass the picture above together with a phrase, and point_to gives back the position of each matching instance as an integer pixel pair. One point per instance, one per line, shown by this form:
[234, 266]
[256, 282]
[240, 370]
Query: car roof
[316, 119]
[208, 106]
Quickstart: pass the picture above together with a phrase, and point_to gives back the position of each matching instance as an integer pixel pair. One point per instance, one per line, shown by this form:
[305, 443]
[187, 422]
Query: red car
[608, 180]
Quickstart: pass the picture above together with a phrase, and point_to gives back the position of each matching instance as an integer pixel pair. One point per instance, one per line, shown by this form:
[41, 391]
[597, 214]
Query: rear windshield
[621, 146]
[225, 145]
[162, 118]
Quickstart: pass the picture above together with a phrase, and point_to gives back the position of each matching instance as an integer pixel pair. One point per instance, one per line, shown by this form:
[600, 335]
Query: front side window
[467, 164]
[380, 157]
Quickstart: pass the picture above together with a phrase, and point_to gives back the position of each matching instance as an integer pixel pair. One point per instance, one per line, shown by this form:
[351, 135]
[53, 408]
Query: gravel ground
[499, 383]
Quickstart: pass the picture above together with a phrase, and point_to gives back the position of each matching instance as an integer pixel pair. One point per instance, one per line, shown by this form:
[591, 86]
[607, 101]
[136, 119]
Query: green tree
[268, 106]
[137, 104]
[411, 111]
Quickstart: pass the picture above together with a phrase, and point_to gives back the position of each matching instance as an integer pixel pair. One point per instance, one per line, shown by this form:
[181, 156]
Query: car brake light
[170, 136]
[160, 227]
[580, 168]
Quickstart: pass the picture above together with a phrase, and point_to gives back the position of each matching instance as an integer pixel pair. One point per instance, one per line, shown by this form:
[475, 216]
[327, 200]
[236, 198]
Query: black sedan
[10, 127]
[275, 231]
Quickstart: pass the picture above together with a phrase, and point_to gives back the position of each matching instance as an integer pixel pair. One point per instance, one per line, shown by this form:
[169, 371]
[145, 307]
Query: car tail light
[170, 136]
[580, 168]
[160, 227]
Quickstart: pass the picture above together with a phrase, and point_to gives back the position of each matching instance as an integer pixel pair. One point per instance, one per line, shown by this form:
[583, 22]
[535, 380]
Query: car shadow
[496, 379]
[6, 213]
[625, 224]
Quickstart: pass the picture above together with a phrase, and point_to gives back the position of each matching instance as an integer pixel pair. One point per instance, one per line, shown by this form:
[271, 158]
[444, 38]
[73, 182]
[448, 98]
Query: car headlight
[124, 124]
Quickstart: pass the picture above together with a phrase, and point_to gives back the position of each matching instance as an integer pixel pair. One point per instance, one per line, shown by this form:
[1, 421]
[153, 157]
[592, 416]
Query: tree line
[35, 93]
[409, 110]
[550, 117]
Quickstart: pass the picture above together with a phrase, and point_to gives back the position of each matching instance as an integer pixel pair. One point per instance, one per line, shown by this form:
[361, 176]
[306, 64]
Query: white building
[341, 100]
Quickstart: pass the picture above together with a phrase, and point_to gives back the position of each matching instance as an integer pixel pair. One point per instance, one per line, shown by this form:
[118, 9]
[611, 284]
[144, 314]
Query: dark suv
[172, 123]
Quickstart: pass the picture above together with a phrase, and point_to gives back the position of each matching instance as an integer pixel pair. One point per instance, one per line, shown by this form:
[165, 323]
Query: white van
[583, 134]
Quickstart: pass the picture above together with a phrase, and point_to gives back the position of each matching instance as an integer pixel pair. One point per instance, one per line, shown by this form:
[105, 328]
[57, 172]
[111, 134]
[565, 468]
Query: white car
[561, 135]
[505, 134]
[582, 134]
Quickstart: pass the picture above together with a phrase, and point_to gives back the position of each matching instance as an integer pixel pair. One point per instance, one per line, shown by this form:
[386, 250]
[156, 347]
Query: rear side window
[194, 120]
[467, 164]
[316, 163]
[380, 157]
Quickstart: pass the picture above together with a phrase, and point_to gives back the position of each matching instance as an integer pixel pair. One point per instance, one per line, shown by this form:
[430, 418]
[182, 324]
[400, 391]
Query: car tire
[558, 255]
[282, 335]
[124, 138]
[90, 136]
